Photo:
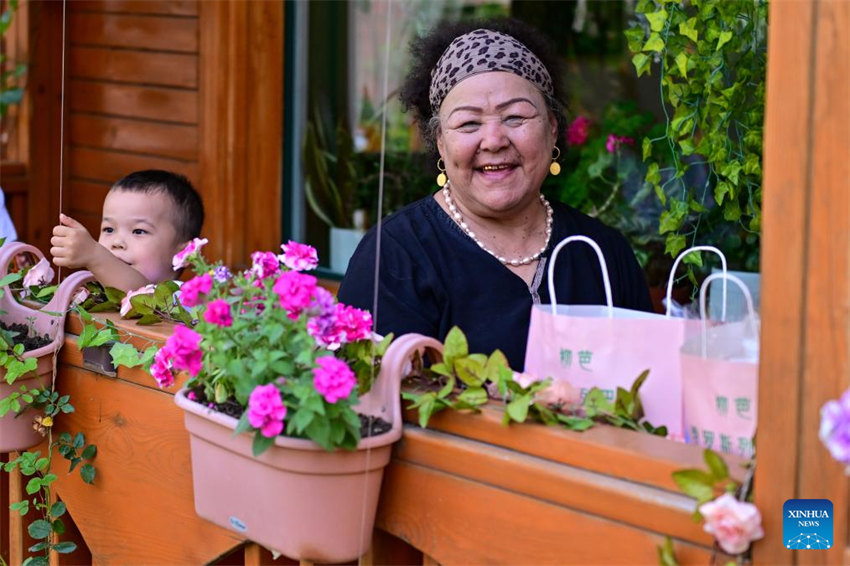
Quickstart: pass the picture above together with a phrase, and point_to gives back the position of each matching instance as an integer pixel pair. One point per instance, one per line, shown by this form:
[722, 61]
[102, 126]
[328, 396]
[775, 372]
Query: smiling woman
[488, 97]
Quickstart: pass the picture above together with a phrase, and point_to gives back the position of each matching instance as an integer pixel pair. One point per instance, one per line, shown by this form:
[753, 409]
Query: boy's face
[138, 228]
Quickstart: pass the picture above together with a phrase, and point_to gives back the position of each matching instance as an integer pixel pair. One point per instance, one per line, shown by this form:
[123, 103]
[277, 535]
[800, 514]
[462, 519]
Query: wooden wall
[188, 86]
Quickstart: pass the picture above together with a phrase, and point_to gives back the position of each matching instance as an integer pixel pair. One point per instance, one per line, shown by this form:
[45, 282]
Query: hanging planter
[16, 429]
[297, 498]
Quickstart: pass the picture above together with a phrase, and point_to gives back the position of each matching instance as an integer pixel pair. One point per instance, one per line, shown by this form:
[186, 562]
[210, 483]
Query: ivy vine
[711, 60]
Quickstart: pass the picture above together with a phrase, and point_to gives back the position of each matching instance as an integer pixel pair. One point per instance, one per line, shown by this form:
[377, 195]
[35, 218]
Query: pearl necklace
[513, 262]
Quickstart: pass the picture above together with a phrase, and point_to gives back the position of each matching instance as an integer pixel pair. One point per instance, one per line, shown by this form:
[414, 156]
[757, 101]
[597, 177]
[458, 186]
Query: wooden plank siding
[192, 87]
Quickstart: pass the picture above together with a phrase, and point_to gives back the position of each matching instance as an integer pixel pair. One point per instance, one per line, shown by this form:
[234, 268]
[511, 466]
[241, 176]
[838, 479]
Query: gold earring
[441, 178]
[554, 167]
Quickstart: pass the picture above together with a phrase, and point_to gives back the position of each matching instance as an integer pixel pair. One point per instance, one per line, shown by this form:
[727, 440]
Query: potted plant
[29, 340]
[330, 185]
[290, 427]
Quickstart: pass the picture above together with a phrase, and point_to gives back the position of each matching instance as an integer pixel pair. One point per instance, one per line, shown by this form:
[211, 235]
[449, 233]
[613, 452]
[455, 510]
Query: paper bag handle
[604, 266]
[748, 298]
[676, 264]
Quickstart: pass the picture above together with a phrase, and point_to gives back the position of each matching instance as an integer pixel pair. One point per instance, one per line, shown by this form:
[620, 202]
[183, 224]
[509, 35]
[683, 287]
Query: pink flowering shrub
[272, 342]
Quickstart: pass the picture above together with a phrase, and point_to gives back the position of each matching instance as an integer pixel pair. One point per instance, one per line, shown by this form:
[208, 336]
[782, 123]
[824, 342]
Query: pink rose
[161, 368]
[266, 410]
[299, 257]
[295, 291]
[39, 274]
[218, 313]
[333, 379]
[733, 523]
[560, 392]
[265, 264]
[577, 131]
[191, 290]
[181, 258]
[185, 348]
[126, 306]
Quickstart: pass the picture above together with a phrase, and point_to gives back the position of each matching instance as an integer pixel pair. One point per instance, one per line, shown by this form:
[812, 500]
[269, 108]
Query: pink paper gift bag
[720, 381]
[608, 347]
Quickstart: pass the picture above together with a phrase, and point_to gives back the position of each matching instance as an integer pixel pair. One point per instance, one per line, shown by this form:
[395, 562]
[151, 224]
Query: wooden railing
[466, 490]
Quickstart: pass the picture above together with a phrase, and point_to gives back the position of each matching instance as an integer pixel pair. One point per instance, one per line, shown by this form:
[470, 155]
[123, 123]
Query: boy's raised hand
[72, 245]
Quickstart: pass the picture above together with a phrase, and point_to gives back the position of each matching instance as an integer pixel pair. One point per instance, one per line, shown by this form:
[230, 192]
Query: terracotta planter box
[297, 498]
[16, 430]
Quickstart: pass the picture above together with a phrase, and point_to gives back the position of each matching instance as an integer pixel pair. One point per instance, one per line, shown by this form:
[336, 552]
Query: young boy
[148, 216]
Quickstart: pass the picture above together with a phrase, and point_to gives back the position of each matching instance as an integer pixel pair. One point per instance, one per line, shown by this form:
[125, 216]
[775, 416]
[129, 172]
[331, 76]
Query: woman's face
[496, 137]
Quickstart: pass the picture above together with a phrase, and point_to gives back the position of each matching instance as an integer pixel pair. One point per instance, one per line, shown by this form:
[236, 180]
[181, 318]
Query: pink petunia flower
[295, 291]
[161, 368]
[218, 313]
[191, 290]
[39, 274]
[264, 264]
[266, 410]
[181, 258]
[185, 349]
[126, 305]
[333, 379]
[352, 324]
[299, 257]
[733, 523]
[578, 131]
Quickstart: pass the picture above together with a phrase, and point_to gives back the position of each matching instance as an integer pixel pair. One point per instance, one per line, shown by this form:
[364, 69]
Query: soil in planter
[369, 426]
[22, 336]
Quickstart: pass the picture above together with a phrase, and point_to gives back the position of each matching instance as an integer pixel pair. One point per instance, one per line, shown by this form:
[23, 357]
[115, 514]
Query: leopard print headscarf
[482, 51]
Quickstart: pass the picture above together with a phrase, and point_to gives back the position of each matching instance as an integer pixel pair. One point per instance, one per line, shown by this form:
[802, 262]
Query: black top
[433, 276]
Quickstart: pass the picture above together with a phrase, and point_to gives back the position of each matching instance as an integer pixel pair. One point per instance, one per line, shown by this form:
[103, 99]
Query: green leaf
[261, 444]
[725, 37]
[716, 465]
[57, 510]
[721, 190]
[665, 553]
[695, 483]
[65, 547]
[653, 174]
[88, 472]
[470, 371]
[21, 507]
[634, 38]
[517, 409]
[33, 486]
[646, 146]
[90, 452]
[641, 63]
[688, 29]
[456, 345]
[657, 20]
[10, 278]
[654, 43]
[39, 529]
[124, 355]
[682, 63]
[58, 527]
[36, 561]
[471, 398]
[674, 244]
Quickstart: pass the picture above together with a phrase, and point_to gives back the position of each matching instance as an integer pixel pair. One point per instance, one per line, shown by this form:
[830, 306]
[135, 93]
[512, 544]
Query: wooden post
[805, 353]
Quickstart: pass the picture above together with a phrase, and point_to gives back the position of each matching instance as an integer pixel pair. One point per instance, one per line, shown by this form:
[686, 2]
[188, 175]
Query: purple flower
[266, 410]
[835, 428]
[221, 274]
